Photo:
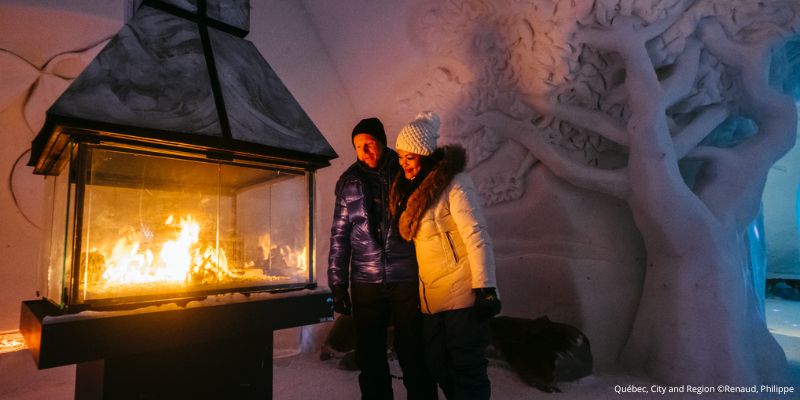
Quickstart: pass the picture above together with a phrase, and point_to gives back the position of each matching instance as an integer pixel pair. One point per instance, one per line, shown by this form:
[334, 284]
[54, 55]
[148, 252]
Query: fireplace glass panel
[59, 195]
[154, 227]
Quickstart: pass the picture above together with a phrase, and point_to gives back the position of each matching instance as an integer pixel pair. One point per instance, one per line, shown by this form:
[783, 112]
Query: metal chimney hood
[180, 76]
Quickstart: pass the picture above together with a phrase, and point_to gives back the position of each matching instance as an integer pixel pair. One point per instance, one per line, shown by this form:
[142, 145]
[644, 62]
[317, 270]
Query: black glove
[487, 304]
[341, 300]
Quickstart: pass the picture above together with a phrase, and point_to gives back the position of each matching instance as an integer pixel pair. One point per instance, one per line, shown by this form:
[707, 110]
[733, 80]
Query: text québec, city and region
[659, 389]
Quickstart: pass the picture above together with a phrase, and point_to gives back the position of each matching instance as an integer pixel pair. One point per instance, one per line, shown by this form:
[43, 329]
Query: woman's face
[410, 162]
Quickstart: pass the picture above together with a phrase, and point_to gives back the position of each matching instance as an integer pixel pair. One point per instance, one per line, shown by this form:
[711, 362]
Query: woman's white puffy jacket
[454, 251]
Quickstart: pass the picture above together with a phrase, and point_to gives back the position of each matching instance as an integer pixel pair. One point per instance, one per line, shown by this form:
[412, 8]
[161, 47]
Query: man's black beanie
[371, 126]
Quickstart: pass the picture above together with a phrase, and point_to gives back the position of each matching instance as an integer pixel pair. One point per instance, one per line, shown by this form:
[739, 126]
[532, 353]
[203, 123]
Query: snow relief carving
[36, 88]
[677, 107]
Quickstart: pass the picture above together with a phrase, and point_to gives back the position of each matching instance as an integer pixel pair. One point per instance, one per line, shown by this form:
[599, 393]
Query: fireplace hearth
[214, 349]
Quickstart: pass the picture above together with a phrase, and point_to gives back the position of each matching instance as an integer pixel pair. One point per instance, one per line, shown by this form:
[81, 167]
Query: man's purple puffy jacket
[365, 244]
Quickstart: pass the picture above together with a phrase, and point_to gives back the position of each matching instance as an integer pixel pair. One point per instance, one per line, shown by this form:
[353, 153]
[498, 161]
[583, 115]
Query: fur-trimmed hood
[449, 161]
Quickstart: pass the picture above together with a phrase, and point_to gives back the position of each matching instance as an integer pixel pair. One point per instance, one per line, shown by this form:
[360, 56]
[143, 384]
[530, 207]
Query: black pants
[455, 350]
[375, 306]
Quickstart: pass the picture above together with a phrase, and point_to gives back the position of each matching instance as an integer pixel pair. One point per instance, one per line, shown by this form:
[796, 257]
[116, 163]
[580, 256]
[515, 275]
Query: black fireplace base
[207, 352]
[239, 369]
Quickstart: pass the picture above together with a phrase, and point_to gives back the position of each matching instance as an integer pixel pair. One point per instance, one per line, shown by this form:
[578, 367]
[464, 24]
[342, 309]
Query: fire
[181, 256]
[298, 258]
[183, 259]
[265, 244]
[283, 255]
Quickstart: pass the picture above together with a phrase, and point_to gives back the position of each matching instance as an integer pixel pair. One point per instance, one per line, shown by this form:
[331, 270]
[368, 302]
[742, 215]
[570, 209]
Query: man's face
[368, 150]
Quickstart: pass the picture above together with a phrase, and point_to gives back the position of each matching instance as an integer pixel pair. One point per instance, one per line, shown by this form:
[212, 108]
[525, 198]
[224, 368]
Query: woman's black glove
[487, 304]
[341, 300]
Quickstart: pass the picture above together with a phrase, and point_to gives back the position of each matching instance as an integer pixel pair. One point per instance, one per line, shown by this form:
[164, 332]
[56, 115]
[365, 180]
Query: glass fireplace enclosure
[127, 225]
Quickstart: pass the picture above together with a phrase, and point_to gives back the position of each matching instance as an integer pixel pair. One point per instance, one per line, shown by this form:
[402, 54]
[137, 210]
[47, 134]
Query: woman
[437, 207]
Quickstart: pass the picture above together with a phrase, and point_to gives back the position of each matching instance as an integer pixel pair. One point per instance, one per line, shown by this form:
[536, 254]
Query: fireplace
[177, 166]
[129, 225]
[179, 235]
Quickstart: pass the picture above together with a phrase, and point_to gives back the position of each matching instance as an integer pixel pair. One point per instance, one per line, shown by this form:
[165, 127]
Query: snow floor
[304, 376]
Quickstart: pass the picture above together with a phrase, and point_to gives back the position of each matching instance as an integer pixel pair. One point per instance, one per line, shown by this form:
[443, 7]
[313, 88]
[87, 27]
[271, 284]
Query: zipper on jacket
[386, 224]
[452, 247]
[385, 262]
[425, 296]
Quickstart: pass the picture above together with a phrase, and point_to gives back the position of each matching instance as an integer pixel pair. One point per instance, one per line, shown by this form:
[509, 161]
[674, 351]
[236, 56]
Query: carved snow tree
[686, 99]
[692, 191]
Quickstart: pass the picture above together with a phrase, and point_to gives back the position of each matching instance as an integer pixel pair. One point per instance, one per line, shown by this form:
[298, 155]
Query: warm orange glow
[181, 260]
[182, 255]
[300, 258]
[11, 341]
[292, 258]
[265, 244]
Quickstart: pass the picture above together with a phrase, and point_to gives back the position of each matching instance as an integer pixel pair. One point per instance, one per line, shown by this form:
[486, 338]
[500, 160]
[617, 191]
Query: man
[368, 255]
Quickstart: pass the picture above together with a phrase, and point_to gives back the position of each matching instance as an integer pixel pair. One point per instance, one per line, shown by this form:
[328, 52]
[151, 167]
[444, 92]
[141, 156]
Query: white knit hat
[419, 136]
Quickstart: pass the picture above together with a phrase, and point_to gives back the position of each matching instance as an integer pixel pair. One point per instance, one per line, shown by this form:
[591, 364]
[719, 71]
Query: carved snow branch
[611, 182]
[627, 28]
[654, 177]
[595, 121]
[680, 82]
[624, 39]
[761, 101]
[697, 130]
[774, 113]
[641, 80]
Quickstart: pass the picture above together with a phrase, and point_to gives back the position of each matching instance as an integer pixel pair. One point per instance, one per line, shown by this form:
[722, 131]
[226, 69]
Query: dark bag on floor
[542, 352]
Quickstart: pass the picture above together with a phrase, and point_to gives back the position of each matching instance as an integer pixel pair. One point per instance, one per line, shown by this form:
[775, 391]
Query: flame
[292, 258]
[180, 256]
[265, 244]
[182, 259]
[297, 259]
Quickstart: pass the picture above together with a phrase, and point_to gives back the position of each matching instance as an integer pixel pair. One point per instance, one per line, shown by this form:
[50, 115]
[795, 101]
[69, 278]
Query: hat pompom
[420, 135]
[431, 118]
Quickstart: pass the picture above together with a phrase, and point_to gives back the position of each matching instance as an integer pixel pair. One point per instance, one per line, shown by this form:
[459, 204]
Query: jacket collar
[450, 160]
